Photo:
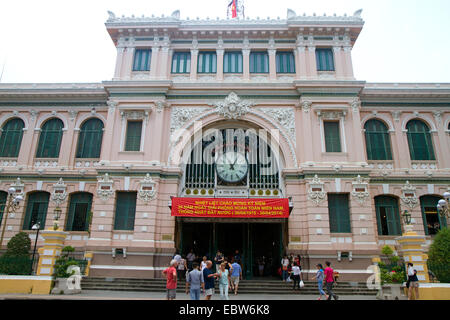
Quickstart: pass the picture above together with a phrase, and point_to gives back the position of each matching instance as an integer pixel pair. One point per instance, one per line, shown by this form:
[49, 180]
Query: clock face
[232, 167]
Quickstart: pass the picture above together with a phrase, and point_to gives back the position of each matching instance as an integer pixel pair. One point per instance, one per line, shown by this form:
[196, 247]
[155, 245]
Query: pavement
[132, 295]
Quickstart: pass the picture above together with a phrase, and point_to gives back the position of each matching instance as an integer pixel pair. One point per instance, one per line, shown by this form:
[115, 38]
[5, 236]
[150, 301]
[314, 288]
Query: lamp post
[407, 218]
[443, 206]
[12, 203]
[37, 227]
[56, 215]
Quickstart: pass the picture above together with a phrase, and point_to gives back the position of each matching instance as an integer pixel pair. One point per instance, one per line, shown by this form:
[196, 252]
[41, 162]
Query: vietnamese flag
[233, 8]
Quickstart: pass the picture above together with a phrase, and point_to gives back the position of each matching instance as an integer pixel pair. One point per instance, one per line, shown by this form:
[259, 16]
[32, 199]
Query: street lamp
[12, 203]
[443, 206]
[37, 227]
[407, 218]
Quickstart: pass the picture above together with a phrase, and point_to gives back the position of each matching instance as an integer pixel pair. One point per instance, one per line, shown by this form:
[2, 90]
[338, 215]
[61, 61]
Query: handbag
[301, 284]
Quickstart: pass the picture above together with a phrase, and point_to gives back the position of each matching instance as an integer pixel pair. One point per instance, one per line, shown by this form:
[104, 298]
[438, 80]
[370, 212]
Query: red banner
[230, 208]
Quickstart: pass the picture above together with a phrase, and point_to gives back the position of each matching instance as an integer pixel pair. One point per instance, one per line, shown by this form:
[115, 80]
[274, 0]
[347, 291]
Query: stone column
[126, 74]
[219, 74]
[119, 62]
[246, 64]
[308, 150]
[338, 63]
[358, 151]
[348, 73]
[154, 63]
[311, 62]
[272, 64]
[50, 252]
[194, 58]
[411, 247]
[163, 64]
[302, 68]
[26, 155]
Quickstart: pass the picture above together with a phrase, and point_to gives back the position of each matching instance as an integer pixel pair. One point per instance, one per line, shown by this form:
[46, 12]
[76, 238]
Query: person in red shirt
[171, 276]
[329, 280]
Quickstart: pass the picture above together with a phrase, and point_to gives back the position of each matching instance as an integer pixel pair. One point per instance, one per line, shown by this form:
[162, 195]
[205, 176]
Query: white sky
[66, 40]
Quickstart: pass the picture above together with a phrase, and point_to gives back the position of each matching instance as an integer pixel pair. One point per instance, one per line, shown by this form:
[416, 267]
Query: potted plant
[392, 276]
[66, 274]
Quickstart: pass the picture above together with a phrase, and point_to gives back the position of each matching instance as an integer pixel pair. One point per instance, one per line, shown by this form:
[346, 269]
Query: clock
[232, 167]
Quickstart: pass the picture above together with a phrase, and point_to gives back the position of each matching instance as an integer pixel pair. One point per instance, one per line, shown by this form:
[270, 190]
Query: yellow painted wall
[432, 293]
[33, 286]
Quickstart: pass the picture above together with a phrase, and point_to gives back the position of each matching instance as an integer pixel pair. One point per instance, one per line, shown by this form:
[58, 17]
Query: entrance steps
[245, 286]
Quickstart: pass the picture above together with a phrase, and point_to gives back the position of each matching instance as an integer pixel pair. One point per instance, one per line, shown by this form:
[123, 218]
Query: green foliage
[19, 245]
[387, 251]
[393, 272]
[15, 265]
[61, 266]
[439, 256]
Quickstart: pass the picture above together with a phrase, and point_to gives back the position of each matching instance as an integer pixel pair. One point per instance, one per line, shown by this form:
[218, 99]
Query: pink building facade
[351, 156]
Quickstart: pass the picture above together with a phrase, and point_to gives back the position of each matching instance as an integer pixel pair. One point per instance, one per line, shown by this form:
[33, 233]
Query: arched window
[90, 139]
[432, 221]
[419, 140]
[11, 138]
[78, 215]
[36, 209]
[378, 143]
[50, 139]
[3, 197]
[388, 216]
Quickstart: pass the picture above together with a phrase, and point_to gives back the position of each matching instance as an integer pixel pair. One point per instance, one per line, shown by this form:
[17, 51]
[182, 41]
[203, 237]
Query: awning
[230, 208]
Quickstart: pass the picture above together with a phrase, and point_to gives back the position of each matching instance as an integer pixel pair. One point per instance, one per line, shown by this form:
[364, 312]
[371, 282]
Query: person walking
[181, 269]
[190, 259]
[237, 256]
[236, 275]
[171, 277]
[329, 280]
[209, 277]
[320, 277]
[224, 281]
[413, 282]
[295, 275]
[203, 263]
[284, 268]
[218, 260]
[195, 281]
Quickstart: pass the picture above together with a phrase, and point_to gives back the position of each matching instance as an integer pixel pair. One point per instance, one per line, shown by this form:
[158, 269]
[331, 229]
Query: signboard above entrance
[230, 208]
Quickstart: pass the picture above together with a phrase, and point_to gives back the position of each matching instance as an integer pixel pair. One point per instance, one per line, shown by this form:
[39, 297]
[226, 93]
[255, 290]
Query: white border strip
[25, 278]
[142, 268]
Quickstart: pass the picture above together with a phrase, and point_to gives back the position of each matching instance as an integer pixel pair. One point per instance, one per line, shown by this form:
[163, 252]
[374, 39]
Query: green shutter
[207, 62]
[3, 198]
[36, 209]
[332, 136]
[389, 205]
[285, 62]
[90, 139]
[232, 62]
[259, 62]
[133, 140]
[339, 213]
[11, 138]
[77, 216]
[50, 139]
[325, 59]
[142, 59]
[378, 143]
[419, 141]
[181, 62]
[125, 211]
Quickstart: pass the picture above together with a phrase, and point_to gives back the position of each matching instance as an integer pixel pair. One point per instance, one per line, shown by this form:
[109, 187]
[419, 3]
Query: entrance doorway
[260, 245]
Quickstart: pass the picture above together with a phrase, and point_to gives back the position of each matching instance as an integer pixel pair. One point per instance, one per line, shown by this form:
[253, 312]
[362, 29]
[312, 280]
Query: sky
[65, 41]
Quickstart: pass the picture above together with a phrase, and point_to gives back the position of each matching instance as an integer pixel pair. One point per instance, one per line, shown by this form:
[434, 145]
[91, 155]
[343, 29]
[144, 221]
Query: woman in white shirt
[413, 281]
[295, 275]
[203, 264]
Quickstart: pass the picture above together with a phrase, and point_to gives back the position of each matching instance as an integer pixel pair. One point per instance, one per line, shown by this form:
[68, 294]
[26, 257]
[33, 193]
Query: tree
[19, 245]
[439, 256]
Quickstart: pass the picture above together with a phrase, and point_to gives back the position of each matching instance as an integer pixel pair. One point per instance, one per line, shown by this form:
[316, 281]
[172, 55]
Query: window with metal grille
[3, 198]
[378, 143]
[181, 62]
[285, 62]
[432, 220]
[388, 216]
[232, 62]
[125, 210]
[332, 136]
[262, 172]
[90, 139]
[325, 59]
[207, 62]
[78, 214]
[36, 210]
[259, 62]
[133, 136]
[11, 138]
[142, 59]
[339, 213]
[50, 139]
[419, 141]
